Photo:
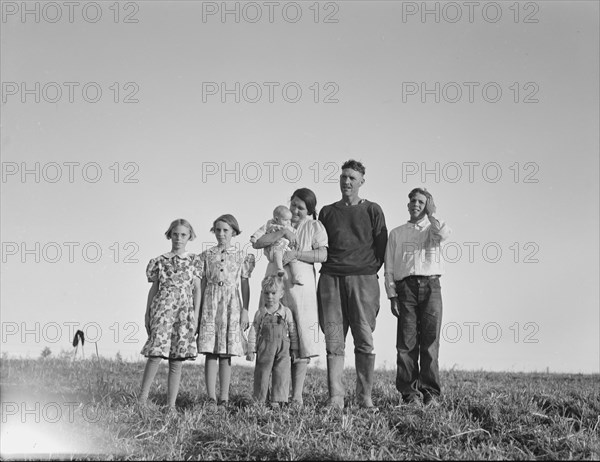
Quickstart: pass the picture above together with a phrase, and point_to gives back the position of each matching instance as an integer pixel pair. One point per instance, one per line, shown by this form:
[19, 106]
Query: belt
[421, 278]
[218, 283]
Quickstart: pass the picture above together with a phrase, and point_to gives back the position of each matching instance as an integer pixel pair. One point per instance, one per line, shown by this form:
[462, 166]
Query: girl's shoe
[170, 411]
[211, 405]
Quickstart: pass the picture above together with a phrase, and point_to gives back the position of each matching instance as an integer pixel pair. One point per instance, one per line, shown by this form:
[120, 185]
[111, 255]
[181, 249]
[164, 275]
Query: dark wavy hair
[354, 165]
[309, 198]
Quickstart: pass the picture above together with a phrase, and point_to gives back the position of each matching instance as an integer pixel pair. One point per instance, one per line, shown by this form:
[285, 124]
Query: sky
[119, 117]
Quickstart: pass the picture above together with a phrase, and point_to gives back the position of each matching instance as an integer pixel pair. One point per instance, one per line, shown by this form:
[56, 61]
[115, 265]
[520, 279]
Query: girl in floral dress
[224, 314]
[172, 310]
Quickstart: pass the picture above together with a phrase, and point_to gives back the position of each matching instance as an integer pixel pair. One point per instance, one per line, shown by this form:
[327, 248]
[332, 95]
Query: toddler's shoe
[297, 404]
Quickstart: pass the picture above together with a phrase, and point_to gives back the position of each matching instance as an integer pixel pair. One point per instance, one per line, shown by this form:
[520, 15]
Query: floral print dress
[220, 330]
[172, 320]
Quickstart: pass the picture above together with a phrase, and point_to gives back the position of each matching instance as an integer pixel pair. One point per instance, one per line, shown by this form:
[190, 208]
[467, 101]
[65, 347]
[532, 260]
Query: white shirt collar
[173, 254]
[217, 249]
[422, 223]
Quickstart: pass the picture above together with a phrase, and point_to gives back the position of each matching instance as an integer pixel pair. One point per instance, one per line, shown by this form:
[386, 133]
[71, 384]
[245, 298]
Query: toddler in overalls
[273, 337]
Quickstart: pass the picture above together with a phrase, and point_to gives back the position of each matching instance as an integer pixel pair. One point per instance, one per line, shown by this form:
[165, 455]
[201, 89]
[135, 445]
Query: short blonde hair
[183, 222]
[272, 282]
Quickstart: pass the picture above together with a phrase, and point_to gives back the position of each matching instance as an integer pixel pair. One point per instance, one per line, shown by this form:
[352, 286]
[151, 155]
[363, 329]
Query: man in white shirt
[413, 267]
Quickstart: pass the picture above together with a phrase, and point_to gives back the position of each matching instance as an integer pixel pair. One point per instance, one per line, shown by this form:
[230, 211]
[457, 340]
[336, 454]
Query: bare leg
[174, 380]
[210, 376]
[224, 378]
[278, 259]
[149, 374]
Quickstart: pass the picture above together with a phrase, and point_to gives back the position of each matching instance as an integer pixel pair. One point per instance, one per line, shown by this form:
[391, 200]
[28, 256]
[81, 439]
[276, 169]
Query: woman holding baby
[309, 244]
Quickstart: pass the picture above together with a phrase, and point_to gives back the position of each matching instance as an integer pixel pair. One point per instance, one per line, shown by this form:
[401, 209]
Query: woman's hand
[290, 236]
[289, 255]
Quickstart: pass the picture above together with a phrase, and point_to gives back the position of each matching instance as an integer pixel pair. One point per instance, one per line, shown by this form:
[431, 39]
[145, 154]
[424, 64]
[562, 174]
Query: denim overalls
[272, 358]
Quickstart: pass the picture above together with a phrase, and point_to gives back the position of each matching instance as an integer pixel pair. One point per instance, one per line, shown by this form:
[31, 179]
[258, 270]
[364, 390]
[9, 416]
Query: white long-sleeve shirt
[414, 249]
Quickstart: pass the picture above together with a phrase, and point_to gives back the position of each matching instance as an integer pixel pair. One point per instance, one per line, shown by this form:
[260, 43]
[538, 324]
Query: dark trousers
[348, 302]
[418, 336]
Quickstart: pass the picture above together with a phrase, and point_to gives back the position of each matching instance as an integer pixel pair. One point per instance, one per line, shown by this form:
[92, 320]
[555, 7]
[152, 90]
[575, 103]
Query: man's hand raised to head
[430, 208]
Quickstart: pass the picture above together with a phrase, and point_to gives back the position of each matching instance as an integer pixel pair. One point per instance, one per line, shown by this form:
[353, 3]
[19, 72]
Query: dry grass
[482, 415]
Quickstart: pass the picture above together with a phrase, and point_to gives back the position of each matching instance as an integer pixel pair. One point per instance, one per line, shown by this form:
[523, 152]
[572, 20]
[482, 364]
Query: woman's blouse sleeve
[152, 270]
[319, 238]
[248, 266]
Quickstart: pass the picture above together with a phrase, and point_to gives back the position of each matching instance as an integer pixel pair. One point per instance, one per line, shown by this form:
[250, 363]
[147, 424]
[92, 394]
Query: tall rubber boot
[335, 371]
[365, 368]
[298, 376]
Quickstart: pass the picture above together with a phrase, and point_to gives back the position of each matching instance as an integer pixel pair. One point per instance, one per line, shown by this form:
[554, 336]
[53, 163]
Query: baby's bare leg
[278, 259]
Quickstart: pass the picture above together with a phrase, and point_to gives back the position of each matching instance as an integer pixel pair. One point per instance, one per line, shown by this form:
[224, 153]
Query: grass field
[53, 408]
